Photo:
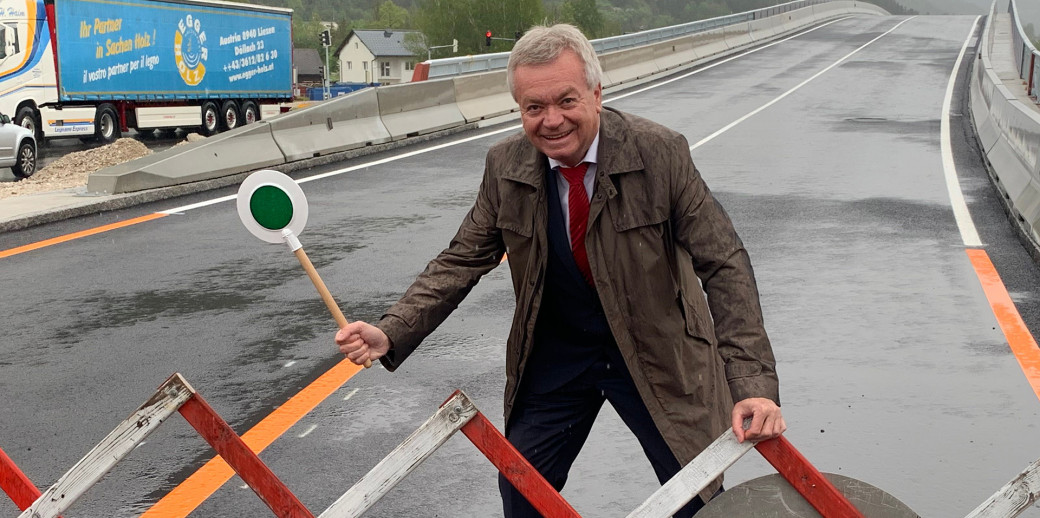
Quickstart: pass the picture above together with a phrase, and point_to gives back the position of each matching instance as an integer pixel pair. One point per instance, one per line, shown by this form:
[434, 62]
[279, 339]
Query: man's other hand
[766, 421]
[361, 341]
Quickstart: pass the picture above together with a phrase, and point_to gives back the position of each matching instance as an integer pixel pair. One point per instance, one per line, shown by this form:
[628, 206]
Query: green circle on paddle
[271, 207]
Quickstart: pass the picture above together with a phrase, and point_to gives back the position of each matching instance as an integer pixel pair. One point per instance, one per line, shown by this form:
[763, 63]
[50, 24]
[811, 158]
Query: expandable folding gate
[457, 413]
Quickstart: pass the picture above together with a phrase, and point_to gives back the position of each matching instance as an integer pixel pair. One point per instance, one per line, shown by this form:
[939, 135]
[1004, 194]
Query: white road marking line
[350, 394]
[290, 364]
[308, 431]
[969, 234]
[731, 125]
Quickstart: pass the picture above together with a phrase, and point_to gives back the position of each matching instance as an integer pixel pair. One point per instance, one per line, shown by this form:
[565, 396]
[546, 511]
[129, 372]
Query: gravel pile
[72, 169]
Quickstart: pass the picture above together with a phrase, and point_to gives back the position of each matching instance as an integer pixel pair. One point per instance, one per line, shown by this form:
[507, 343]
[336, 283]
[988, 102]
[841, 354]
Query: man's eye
[533, 109]
[568, 101]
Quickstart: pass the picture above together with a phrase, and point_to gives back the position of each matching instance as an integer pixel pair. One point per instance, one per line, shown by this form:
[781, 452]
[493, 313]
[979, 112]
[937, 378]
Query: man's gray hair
[541, 45]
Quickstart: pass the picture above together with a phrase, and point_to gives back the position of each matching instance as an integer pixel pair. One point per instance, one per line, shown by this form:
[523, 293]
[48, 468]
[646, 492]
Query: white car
[17, 148]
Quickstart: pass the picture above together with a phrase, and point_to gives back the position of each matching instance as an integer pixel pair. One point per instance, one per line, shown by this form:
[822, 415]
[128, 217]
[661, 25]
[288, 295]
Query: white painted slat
[1016, 496]
[134, 429]
[405, 458]
[694, 477]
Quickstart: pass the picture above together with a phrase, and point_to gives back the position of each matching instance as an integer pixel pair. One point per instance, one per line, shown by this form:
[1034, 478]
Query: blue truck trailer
[96, 68]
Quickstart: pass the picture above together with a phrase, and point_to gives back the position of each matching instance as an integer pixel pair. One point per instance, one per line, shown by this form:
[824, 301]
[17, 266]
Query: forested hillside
[467, 20]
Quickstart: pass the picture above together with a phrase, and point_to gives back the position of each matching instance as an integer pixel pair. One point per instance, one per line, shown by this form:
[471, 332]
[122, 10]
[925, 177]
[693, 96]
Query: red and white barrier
[457, 413]
[1014, 498]
[17, 486]
[173, 395]
[176, 395]
[725, 451]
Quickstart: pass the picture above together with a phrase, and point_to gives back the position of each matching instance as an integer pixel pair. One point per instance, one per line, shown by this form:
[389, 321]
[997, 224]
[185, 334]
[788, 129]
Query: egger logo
[189, 50]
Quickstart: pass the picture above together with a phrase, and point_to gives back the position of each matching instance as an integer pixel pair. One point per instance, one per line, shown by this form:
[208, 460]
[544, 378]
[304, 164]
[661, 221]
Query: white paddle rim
[281, 181]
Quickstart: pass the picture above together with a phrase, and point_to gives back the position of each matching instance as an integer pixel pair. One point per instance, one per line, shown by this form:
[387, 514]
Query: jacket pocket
[516, 213]
[628, 215]
[695, 326]
[697, 352]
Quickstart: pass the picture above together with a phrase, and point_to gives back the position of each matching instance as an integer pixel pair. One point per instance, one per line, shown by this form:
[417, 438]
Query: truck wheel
[210, 119]
[106, 124]
[26, 118]
[25, 160]
[229, 115]
[250, 112]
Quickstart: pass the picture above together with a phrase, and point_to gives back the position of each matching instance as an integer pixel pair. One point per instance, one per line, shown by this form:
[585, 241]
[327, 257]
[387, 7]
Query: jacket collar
[617, 152]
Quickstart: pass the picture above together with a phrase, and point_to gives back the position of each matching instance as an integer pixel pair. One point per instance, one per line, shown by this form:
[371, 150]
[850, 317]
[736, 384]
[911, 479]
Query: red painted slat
[517, 469]
[234, 451]
[17, 486]
[806, 479]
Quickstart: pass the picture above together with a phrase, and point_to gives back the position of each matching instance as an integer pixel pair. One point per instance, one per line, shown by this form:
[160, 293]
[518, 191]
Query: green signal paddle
[272, 207]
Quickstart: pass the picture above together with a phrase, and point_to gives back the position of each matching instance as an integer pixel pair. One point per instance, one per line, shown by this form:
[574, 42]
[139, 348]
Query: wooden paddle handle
[330, 303]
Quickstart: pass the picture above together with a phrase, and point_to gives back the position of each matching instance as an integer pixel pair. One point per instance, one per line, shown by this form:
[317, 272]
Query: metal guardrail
[448, 67]
[1026, 55]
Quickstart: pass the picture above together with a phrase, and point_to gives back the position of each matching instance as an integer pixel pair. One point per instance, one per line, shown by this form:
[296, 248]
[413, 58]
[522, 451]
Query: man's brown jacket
[656, 235]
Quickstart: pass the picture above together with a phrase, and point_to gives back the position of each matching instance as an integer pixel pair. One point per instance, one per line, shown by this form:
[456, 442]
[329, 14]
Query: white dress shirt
[590, 179]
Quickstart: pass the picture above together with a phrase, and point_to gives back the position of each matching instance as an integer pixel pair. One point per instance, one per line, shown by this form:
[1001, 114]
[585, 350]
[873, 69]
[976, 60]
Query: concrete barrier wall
[737, 35]
[981, 91]
[245, 149]
[391, 113]
[849, 7]
[1008, 132]
[482, 96]
[674, 53]
[797, 19]
[710, 43]
[411, 109]
[339, 124]
[626, 65]
[829, 9]
[766, 27]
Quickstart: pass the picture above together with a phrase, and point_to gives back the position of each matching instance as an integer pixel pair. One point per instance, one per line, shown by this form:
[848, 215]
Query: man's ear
[598, 95]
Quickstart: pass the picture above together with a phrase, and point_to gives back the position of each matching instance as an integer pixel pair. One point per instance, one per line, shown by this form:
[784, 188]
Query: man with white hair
[631, 284]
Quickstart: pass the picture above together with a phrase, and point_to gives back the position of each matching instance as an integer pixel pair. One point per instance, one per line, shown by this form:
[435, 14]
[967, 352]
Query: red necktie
[578, 208]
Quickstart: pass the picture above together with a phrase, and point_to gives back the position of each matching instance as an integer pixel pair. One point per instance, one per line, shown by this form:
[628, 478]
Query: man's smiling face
[559, 111]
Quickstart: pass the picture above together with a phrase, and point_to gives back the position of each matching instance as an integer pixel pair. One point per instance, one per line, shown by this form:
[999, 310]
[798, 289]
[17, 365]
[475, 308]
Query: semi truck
[96, 68]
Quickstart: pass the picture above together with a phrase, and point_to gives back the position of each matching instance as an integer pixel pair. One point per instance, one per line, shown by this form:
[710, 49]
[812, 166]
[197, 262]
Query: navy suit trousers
[549, 430]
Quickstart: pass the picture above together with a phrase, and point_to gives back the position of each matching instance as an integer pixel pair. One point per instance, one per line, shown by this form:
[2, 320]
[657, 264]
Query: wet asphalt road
[892, 368]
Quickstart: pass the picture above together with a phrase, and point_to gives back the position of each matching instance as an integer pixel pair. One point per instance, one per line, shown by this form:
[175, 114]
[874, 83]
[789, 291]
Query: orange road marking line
[76, 235]
[1018, 336]
[191, 493]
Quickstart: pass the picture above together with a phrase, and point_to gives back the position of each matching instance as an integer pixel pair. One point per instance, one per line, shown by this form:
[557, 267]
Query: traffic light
[326, 38]
[487, 38]
[321, 71]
